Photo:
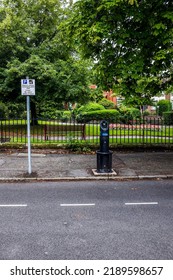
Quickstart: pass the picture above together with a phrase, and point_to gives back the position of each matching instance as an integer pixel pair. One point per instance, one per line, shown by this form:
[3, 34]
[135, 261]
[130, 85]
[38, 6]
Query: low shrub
[129, 114]
[163, 106]
[107, 104]
[50, 110]
[66, 115]
[109, 115]
[146, 113]
[52, 114]
[89, 107]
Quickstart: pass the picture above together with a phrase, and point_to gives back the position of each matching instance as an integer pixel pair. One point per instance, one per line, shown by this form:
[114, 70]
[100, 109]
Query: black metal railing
[147, 130]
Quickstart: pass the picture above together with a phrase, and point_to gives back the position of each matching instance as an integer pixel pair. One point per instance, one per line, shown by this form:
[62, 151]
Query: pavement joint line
[77, 205]
[13, 205]
[26, 155]
[141, 203]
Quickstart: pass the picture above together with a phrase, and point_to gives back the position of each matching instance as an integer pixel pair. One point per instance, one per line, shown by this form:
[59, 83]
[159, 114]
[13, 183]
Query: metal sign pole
[27, 89]
[28, 133]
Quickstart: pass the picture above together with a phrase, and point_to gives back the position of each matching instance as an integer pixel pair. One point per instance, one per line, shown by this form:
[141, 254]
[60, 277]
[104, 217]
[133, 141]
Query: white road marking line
[141, 203]
[76, 205]
[13, 205]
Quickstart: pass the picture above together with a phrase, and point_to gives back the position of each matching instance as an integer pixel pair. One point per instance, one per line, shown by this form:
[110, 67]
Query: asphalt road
[87, 220]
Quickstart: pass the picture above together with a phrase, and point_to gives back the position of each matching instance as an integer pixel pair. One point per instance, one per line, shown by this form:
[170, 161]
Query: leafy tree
[34, 43]
[3, 110]
[130, 42]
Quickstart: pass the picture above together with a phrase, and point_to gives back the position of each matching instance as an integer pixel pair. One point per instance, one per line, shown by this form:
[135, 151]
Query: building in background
[118, 99]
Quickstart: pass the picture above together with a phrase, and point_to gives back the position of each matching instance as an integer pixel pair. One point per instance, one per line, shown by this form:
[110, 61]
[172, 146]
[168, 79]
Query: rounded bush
[49, 110]
[146, 113]
[91, 106]
[163, 106]
[108, 115]
[66, 115]
[51, 114]
[129, 114]
[108, 104]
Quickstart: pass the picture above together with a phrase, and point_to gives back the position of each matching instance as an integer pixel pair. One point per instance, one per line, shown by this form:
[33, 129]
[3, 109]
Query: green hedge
[51, 114]
[163, 106]
[108, 104]
[129, 114]
[89, 107]
[50, 110]
[108, 115]
[66, 115]
[168, 118]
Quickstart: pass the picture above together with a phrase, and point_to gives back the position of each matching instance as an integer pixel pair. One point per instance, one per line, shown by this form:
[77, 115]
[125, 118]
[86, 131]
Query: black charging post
[104, 155]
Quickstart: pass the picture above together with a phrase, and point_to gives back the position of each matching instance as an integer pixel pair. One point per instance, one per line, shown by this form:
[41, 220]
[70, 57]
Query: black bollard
[104, 156]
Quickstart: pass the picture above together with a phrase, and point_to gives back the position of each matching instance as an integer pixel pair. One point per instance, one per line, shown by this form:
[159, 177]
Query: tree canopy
[131, 43]
[34, 43]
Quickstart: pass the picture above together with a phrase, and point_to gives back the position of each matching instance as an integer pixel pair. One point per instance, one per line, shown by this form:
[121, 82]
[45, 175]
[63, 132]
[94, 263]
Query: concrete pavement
[50, 166]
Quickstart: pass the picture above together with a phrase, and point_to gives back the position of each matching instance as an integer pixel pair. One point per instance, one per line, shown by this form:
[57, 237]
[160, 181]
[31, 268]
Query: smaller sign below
[28, 87]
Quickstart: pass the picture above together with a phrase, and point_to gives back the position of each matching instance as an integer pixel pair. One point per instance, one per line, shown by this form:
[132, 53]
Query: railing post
[1, 131]
[83, 131]
[45, 132]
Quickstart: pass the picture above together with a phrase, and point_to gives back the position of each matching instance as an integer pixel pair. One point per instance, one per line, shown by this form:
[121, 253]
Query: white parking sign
[28, 87]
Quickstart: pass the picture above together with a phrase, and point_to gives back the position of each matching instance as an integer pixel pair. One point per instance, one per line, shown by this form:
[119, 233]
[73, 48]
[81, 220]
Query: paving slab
[79, 166]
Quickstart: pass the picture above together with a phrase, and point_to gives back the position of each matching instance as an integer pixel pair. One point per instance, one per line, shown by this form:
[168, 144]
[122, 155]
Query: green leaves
[130, 41]
[34, 42]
